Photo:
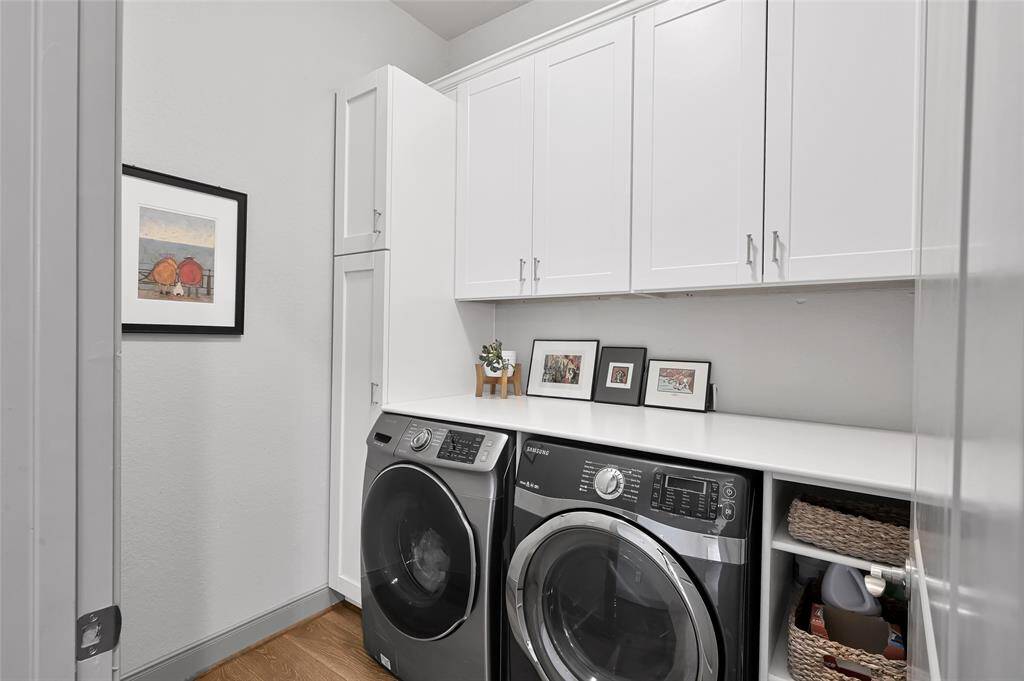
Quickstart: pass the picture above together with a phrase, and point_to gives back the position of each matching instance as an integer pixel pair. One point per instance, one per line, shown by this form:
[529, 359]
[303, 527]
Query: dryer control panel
[693, 496]
[683, 495]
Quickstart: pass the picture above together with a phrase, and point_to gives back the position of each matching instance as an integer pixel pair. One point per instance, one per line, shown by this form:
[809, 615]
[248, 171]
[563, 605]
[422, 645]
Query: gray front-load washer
[627, 567]
[433, 521]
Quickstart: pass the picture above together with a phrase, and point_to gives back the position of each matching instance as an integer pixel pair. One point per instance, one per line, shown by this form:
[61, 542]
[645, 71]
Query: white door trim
[99, 319]
[38, 210]
[57, 181]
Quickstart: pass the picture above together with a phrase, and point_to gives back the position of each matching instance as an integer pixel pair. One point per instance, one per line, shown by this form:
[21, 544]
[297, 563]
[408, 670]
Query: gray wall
[224, 503]
[835, 357]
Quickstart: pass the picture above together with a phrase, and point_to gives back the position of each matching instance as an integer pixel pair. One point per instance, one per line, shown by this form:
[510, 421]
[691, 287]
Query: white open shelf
[779, 549]
[784, 541]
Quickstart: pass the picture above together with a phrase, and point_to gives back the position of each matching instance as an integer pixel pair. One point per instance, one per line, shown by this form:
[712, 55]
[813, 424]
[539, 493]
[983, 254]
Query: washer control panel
[461, 446]
[446, 445]
[420, 440]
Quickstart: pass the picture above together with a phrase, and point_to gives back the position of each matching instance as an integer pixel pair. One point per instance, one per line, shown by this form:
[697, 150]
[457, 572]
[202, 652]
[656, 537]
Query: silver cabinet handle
[376, 221]
[775, 245]
[536, 269]
[373, 392]
[750, 249]
[522, 269]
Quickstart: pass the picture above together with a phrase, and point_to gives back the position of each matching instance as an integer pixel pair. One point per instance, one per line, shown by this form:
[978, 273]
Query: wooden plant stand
[504, 381]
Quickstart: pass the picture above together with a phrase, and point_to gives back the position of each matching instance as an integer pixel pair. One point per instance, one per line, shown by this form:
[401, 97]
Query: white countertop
[881, 460]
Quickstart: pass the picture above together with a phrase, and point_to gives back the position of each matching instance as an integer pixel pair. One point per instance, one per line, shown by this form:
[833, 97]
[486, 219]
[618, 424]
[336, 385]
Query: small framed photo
[563, 368]
[677, 385]
[182, 255]
[620, 375]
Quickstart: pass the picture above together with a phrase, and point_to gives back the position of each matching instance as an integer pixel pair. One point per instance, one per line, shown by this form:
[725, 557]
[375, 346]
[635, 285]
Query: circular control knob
[421, 440]
[608, 483]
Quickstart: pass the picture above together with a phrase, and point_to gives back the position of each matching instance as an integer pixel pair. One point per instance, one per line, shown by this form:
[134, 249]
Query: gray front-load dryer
[631, 568]
[433, 520]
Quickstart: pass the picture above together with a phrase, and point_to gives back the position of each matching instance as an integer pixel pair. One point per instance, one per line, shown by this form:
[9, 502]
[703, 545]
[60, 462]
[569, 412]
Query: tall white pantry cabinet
[393, 281]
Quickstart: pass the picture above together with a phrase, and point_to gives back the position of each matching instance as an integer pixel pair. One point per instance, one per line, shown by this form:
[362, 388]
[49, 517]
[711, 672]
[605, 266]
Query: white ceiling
[449, 18]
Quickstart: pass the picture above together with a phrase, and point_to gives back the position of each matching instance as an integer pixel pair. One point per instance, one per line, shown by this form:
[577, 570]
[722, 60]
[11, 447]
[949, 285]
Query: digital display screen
[688, 484]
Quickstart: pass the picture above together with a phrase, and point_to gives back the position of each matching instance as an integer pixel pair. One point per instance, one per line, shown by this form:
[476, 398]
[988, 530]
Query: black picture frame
[620, 355]
[533, 367]
[241, 199]
[706, 403]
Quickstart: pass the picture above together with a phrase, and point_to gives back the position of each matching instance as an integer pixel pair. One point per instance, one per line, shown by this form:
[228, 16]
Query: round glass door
[602, 601]
[419, 556]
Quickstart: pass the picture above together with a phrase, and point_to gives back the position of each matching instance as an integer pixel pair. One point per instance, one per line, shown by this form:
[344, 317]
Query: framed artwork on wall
[676, 384]
[182, 255]
[620, 375]
[563, 368]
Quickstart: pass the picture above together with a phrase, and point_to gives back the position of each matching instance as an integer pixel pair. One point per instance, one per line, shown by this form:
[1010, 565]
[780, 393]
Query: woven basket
[807, 652]
[862, 529]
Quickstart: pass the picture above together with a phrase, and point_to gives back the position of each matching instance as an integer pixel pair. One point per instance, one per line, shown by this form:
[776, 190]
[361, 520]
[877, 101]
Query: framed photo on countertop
[563, 368]
[674, 384]
[620, 374]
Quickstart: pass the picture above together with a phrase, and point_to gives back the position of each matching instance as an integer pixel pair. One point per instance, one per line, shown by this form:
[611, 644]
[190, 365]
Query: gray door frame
[59, 176]
[968, 532]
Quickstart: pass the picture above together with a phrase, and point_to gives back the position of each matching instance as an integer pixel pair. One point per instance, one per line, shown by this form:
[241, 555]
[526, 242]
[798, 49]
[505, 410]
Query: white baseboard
[352, 591]
[198, 658]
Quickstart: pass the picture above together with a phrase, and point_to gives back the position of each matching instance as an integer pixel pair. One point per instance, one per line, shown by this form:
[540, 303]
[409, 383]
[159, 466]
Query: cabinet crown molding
[587, 22]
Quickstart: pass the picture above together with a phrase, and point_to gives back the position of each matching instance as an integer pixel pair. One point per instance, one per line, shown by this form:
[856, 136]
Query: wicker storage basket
[807, 652]
[862, 529]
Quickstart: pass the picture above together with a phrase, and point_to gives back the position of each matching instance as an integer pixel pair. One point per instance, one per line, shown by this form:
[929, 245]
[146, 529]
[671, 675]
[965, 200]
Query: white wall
[224, 504]
[514, 27]
[837, 357]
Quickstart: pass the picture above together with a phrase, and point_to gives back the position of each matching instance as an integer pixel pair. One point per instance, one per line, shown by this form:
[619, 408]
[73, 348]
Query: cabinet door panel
[360, 219]
[358, 384]
[698, 150]
[843, 139]
[494, 183]
[581, 211]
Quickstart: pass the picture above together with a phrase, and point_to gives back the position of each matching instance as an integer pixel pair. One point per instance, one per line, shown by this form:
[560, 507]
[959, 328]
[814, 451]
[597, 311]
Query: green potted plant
[495, 359]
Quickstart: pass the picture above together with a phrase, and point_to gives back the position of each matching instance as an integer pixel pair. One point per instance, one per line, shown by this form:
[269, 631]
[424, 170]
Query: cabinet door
[360, 197]
[841, 185]
[581, 176]
[494, 194]
[358, 385]
[699, 144]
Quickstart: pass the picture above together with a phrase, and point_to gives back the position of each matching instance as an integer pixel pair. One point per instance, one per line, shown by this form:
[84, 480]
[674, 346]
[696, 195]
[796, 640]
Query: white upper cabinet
[695, 144]
[581, 169]
[842, 139]
[698, 144]
[360, 219]
[494, 187]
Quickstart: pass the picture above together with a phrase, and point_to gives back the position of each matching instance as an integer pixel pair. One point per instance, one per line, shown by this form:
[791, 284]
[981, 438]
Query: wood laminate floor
[328, 647]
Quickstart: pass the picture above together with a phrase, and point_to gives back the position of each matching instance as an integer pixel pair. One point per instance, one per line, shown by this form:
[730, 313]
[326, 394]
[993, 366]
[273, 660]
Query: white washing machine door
[591, 597]
[419, 553]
